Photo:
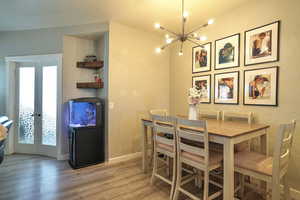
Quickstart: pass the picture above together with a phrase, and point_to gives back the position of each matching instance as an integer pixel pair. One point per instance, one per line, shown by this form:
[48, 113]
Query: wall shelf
[90, 65]
[93, 85]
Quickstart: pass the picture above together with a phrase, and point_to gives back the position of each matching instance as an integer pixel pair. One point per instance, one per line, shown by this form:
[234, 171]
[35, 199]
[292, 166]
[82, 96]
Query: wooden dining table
[227, 133]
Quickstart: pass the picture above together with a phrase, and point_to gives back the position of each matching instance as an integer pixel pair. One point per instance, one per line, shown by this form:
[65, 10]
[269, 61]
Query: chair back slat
[160, 128]
[192, 123]
[210, 114]
[192, 149]
[229, 115]
[191, 135]
[161, 112]
[282, 148]
[164, 140]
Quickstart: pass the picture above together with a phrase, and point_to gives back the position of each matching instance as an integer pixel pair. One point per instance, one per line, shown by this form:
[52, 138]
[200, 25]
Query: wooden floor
[29, 177]
[40, 178]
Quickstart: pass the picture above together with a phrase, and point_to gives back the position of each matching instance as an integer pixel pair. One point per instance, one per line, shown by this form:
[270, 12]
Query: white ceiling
[34, 14]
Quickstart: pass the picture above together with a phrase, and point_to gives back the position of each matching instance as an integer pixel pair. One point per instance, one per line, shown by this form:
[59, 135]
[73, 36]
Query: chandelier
[191, 36]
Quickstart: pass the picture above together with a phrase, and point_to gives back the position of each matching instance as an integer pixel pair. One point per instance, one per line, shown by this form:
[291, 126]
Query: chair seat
[255, 162]
[214, 157]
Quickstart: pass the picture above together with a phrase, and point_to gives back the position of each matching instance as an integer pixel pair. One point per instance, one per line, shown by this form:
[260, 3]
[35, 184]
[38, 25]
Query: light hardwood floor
[28, 177]
[40, 178]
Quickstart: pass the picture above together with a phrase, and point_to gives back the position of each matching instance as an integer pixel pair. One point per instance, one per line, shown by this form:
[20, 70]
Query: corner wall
[138, 82]
[251, 15]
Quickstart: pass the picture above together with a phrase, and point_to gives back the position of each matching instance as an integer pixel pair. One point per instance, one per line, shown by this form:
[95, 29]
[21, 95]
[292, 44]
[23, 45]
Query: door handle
[36, 114]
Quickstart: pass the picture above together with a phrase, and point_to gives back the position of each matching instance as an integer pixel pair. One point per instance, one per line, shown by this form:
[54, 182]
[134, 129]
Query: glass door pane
[49, 109]
[26, 105]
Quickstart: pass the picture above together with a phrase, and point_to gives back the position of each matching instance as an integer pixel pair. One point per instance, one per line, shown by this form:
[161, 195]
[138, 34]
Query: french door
[36, 108]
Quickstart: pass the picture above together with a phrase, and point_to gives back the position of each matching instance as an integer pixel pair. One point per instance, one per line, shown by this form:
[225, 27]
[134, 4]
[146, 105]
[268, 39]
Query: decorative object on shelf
[97, 77]
[184, 36]
[261, 86]
[202, 83]
[227, 52]
[194, 100]
[262, 44]
[202, 58]
[90, 58]
[227, 88]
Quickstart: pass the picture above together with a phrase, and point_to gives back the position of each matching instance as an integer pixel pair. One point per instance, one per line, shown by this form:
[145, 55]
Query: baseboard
[125, 158]
[63, 156]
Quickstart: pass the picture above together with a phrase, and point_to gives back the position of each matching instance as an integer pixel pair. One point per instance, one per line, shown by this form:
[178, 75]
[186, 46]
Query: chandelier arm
[169, 31]
[166, 45]
[183, 18]
[196, 29]
[195, 43]
[192, 37]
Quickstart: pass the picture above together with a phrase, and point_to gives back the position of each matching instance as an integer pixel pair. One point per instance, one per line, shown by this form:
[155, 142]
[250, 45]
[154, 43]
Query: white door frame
[11, 93]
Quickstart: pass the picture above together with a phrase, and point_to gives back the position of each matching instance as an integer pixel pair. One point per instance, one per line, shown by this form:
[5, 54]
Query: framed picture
[203, 83]
[262, 44]
[261, 86]
[227, 88]
[202, 58]
[227, 52]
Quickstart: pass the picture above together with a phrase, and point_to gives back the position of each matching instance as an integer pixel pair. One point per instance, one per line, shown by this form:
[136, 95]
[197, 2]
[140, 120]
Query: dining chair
[269, 169]
[210, 114]
[242, 116]
[196, 156]
[161, 112]
[164, 146]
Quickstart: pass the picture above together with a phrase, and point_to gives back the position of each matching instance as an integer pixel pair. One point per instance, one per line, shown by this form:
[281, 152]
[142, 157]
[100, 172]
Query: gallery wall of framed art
[260, 83]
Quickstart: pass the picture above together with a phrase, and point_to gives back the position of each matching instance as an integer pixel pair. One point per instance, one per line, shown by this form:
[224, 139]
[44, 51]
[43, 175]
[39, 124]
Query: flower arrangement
[195, 95]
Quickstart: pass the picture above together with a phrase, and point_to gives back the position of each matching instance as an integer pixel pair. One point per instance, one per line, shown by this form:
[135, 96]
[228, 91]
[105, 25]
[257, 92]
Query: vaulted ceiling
[34, 14]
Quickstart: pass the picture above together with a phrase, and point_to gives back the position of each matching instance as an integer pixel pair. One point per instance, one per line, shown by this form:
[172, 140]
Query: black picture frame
[276, 86]
[208, 75]
[210, 58]
[238, 54]
[238, 88]
[277, 39]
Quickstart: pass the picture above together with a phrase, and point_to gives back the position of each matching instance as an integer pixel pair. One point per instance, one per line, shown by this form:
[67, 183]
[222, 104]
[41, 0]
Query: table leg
[144, 147]
[228, 185]
[264, 143]
[264, 150]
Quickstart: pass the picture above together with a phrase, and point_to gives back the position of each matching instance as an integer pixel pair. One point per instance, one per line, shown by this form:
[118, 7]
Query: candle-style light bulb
[158, 50]
[185, 14]
[169, 40]
[180, 53]
[211, 21]
[157, 25]
[203, 38]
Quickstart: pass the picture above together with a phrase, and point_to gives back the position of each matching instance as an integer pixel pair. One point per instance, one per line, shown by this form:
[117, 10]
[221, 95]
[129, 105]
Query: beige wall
[138, 82]
[250, 15]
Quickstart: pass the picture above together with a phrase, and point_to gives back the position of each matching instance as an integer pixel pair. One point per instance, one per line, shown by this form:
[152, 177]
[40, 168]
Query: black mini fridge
[86, 132]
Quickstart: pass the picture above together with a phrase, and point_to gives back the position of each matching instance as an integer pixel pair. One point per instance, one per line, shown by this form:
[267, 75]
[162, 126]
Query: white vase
[192, 112]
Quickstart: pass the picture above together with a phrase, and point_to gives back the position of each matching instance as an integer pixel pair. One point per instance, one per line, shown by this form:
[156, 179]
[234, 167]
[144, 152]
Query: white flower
[194, 95]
